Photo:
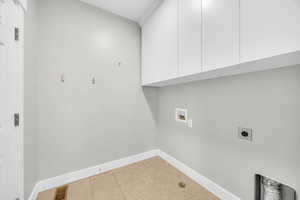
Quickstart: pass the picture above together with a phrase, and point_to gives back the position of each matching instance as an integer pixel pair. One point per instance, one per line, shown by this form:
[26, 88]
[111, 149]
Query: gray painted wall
[268, 102]
[81, 124]
[30, 146]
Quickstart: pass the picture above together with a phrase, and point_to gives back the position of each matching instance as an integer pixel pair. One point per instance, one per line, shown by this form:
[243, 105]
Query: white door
[11, 61]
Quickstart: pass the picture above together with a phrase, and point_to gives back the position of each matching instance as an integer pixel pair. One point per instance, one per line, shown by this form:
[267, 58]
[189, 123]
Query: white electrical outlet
[245, 133]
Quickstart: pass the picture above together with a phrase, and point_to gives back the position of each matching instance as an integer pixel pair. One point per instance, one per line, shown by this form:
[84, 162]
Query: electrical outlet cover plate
[245, 133]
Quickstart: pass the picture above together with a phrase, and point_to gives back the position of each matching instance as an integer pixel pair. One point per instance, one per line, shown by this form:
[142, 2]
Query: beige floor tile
[149, 191]
[140, 191]
[80, 190]
[196, 190]
[205, 196]
[156, 164]
[132, 174]
[105, 187]
[165, 174]
[47, 195]
[160, 182]
[173, 191]
[151, 179]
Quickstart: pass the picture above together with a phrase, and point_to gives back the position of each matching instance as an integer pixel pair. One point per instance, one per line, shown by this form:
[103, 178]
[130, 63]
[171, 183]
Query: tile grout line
[119, 185]
[91, 189]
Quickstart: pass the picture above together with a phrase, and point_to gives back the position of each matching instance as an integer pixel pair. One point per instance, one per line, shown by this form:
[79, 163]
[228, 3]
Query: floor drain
[182, 184]
[61, 193]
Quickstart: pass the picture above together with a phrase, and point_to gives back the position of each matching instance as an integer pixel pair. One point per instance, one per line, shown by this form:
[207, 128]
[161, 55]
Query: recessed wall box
[181, 115]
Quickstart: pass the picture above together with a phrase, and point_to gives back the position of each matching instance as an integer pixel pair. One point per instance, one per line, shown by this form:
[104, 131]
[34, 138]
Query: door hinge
[17, 119]
[17, 34]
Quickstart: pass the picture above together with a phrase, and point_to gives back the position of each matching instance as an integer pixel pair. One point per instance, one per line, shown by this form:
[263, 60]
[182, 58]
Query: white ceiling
[135, 10]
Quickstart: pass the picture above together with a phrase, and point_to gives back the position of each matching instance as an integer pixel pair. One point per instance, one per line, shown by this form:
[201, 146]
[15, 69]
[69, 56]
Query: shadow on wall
[150, 94]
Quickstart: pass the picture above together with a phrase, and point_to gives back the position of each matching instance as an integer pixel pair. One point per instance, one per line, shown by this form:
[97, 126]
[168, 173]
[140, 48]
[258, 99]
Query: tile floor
[151, 179]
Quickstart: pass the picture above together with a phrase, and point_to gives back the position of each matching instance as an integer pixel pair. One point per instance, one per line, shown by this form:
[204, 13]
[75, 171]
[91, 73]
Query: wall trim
[92, 171]
[34, 193]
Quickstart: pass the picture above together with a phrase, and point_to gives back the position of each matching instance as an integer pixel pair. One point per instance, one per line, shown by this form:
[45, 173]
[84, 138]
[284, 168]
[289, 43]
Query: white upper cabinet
[190, 40]
[269, 28]
[160, 44]
[190, 37]
[220, 33]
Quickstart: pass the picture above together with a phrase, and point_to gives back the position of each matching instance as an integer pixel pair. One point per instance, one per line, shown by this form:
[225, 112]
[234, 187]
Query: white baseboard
[84, 173]
[34, 193]
[92, 171]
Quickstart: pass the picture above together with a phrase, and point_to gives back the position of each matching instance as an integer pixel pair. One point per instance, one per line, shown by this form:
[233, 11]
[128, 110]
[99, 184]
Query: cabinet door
[220, 33]
[269, 27]
[190, 37]
[160, 44]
